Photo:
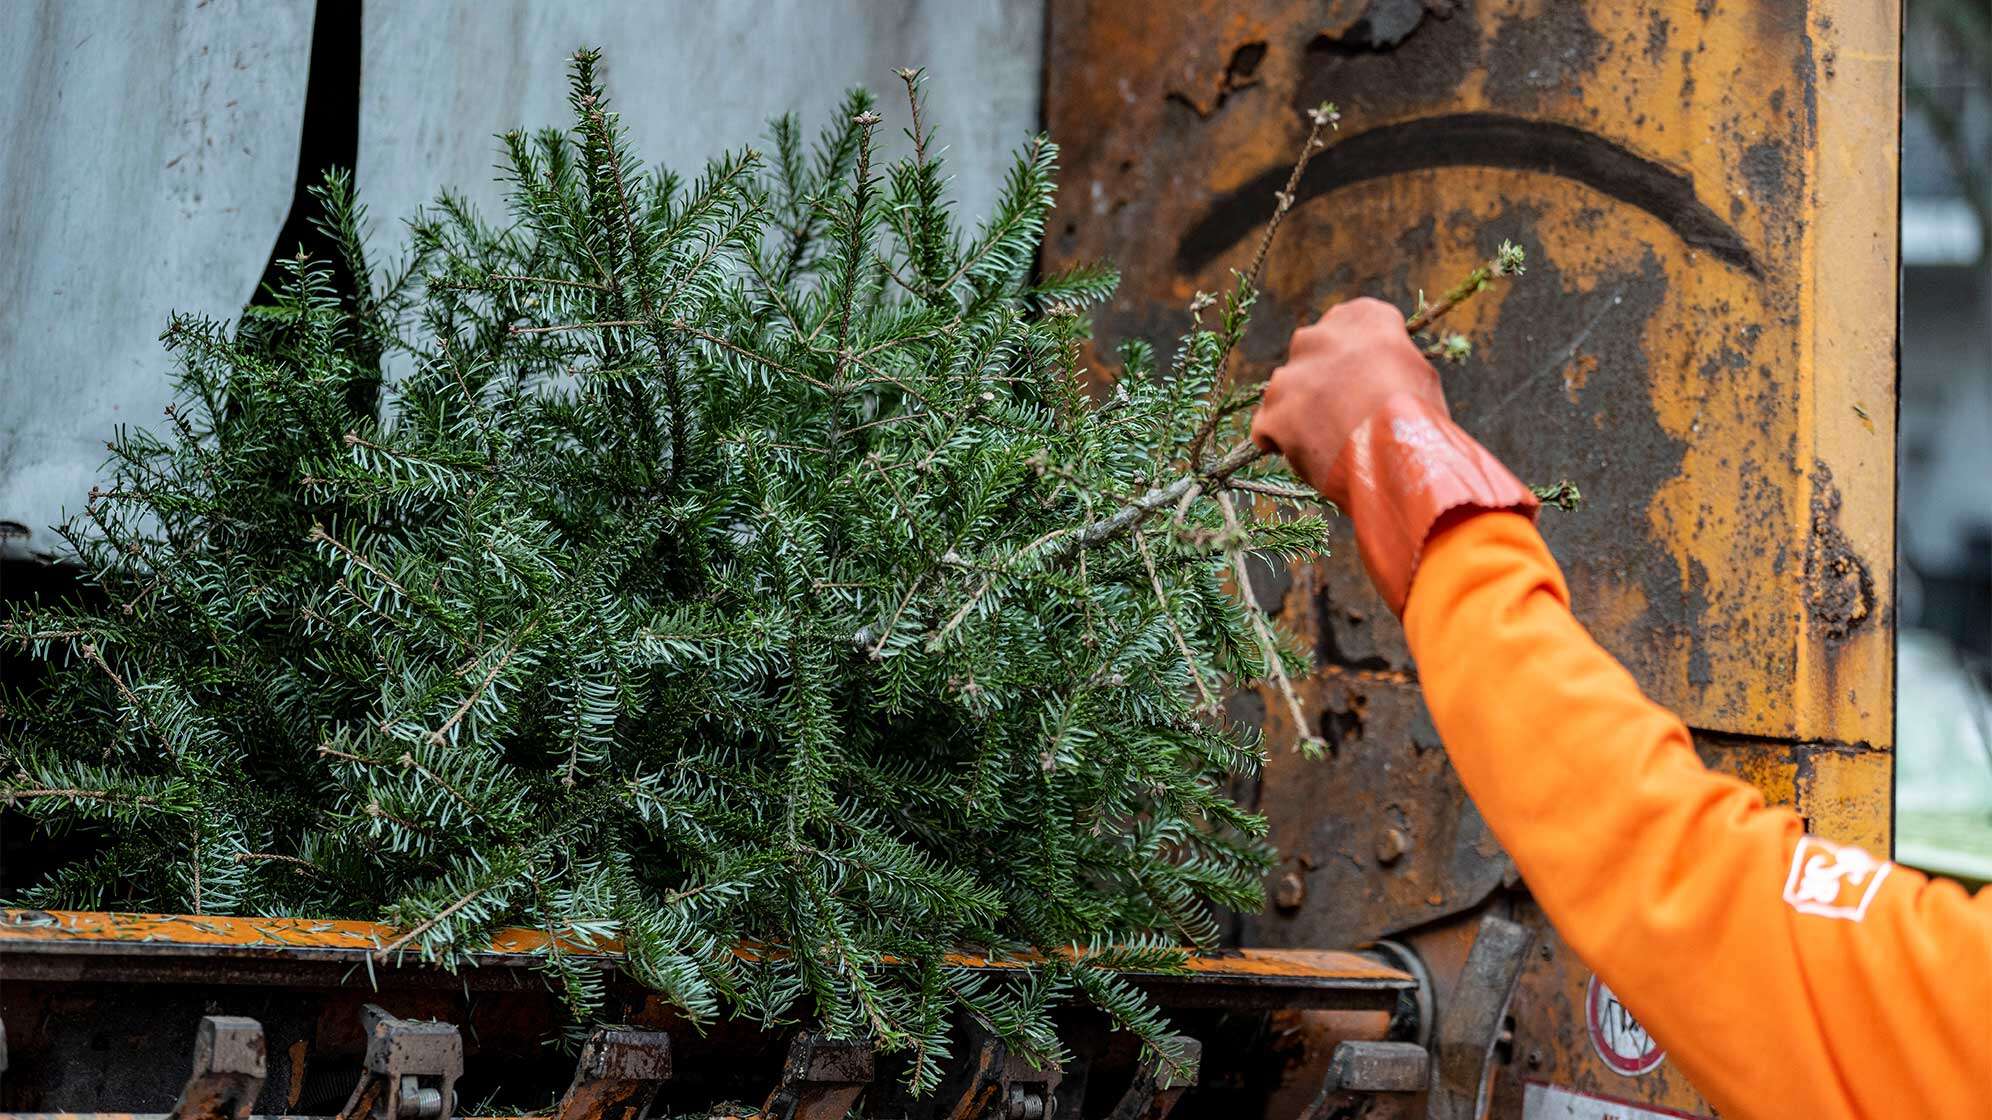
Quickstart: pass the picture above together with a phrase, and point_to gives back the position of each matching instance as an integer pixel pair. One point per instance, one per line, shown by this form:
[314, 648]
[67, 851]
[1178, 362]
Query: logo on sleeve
[1831, 881]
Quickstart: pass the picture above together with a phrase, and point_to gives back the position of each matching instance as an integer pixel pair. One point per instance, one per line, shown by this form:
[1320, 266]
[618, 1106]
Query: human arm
[1783, 980]
[1785, 976]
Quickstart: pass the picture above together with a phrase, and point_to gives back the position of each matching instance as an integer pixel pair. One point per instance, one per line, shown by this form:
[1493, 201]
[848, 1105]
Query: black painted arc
[1494, 140]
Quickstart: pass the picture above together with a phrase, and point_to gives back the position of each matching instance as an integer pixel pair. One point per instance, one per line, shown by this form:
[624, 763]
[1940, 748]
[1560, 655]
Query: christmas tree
[714, 564]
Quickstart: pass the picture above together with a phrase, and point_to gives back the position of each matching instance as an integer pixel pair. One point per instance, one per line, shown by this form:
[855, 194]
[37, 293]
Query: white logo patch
[1832, 881]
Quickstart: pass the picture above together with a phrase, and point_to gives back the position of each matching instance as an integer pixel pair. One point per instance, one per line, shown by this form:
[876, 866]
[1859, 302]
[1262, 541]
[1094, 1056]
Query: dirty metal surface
[617, 1075]
[229, 1066]
[1704, 343]
[1158, 1085]
[821, 1079]
[98, 945]
[1379, 1067]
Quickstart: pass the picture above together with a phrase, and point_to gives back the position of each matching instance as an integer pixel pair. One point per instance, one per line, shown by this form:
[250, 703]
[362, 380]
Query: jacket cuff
[1405, 467]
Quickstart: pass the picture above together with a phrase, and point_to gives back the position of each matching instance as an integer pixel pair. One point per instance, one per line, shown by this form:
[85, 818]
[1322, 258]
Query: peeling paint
[1839, 588]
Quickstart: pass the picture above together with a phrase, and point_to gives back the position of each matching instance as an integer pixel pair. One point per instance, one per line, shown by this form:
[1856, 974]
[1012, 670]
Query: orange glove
[1357, 411]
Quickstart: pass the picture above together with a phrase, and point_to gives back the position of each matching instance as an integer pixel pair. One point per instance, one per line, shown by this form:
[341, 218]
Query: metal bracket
[821, 1079]
[1158, 1085]
[1379, 1067]
[1028, 1093]
[411, 1069]
[994, 1084]
[1469, 1025]
[228, 1070]
[1356, 1070]
[617, 1076]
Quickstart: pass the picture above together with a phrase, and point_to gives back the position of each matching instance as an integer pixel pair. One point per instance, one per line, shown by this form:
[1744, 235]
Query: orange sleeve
[1784, 975]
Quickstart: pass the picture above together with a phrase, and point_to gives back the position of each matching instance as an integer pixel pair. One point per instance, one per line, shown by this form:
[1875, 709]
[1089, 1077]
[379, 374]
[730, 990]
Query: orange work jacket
[1786, 976]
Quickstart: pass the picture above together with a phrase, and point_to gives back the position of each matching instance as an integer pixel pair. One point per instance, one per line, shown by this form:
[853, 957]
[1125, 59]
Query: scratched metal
[1703, 343]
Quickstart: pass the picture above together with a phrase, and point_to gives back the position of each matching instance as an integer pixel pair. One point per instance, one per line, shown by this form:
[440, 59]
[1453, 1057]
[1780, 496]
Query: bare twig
[1242, 455]
[1323, 116]
[1175, 631]
[14, 795]
[389, 949]
[441, 734]
[94, 657]
[1274, 490]
[911, 76]
[1508, 260]
[1306, 742]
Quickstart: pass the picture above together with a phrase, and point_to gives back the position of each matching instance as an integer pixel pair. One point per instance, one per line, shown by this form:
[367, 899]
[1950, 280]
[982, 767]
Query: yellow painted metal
[1705, 344]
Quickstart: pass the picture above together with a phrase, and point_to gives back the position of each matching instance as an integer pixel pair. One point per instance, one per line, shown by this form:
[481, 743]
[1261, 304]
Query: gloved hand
[1358, 412]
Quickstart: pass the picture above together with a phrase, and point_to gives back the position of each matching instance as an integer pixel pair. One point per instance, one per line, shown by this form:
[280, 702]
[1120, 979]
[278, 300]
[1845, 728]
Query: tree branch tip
[1562, 494]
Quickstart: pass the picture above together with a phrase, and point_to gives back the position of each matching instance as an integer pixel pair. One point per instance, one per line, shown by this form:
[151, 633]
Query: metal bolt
[1291, 892]
[1024, 1104]
[1392, 846]
[1535, 1059]
[418, 1103]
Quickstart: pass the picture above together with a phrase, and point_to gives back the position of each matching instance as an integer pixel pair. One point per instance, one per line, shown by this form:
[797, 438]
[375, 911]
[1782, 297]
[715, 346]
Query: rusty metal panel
[1704, 339]
[220, 950]
[1704, 343]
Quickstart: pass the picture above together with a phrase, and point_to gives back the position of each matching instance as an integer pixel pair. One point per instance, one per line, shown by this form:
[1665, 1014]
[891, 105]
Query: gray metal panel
[147, 155]
[691, 79]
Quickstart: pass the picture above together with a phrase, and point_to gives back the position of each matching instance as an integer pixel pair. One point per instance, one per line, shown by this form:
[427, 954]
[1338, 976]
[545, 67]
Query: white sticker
[1616, 1034]
[1554, 1102]
[1831, 881]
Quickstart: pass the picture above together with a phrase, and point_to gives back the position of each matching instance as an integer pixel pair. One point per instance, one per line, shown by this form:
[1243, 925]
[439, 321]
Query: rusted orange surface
[57, 930]
[1706, 189]
[1703, 343]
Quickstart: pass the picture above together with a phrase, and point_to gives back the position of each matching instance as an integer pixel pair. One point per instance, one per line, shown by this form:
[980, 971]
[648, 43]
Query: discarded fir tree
[738, 562]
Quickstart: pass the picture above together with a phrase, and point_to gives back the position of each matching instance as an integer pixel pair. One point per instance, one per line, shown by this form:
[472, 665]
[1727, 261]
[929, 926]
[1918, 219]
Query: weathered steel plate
[1704, 343]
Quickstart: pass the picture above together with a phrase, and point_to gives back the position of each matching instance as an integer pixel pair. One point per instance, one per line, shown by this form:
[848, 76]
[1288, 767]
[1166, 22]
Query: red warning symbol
[1616, 1034]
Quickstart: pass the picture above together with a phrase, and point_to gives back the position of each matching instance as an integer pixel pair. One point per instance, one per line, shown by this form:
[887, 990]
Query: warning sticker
[1554, 1102]
[1616, 1034]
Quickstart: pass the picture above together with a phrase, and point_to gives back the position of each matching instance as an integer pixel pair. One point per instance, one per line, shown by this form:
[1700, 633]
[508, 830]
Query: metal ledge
[97, 946]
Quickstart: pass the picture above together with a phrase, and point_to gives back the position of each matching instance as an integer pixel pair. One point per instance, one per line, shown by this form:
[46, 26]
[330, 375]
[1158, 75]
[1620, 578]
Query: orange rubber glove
[1357, 411]
[1784, 974]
